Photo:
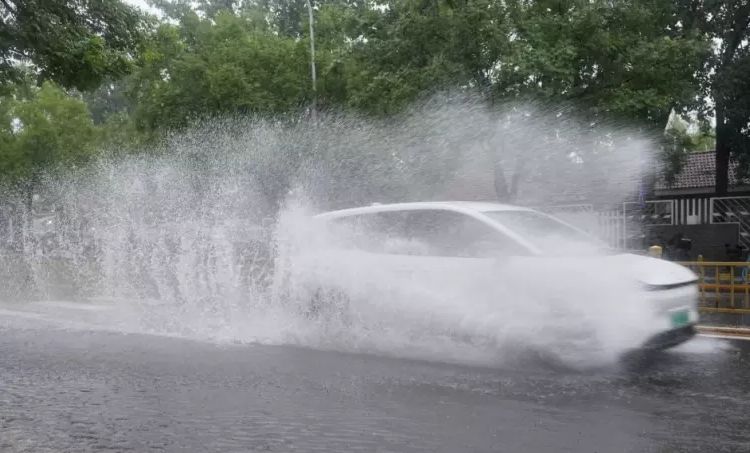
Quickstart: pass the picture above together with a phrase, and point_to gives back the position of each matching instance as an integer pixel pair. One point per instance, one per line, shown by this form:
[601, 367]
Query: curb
[727, 332]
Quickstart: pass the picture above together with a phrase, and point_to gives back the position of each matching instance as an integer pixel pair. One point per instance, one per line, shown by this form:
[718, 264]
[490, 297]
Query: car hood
[653, 271]
[643, 270]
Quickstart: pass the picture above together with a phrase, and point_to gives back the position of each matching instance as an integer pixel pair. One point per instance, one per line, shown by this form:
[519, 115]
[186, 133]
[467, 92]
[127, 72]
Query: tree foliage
[225, 65]
[76, 43]
[417, 47]
[633, 60]
[725, 85]
[42, 130]
[626, 58]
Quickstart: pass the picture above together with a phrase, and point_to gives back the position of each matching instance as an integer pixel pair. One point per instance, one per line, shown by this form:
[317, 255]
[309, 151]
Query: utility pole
[312, 60]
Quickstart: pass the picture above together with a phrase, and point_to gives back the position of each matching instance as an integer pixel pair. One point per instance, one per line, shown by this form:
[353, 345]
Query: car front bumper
[676, 309]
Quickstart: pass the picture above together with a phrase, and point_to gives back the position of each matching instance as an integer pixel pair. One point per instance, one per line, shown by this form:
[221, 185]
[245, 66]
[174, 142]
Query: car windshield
[546, 233]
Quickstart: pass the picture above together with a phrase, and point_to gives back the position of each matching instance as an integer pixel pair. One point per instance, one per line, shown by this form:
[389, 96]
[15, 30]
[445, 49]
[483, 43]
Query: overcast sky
[141, 4]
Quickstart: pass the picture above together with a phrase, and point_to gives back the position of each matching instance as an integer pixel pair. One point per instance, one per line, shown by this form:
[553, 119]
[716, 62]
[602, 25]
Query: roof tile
[698, 172]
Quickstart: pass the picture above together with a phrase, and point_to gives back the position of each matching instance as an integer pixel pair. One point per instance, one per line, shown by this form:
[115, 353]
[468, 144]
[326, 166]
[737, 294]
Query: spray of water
[209, 236]
[585, 309]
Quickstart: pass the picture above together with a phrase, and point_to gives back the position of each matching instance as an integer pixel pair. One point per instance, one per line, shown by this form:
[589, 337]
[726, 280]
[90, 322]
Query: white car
[466, 246]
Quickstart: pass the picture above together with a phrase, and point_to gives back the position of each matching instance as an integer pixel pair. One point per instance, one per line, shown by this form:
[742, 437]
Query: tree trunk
[722, 152]
[515, 180]
[505, 193]
[501, 185]
[16, 225]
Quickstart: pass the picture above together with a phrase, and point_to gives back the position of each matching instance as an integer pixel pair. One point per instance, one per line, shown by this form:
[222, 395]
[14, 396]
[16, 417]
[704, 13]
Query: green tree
[624, 58]
[411, 48]
[46, 130]
[76, 43]
[109, 99]
[633, 60]
[724, 78]
[222, 66]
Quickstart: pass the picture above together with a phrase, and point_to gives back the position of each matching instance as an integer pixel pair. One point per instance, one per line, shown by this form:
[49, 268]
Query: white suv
[465, 242]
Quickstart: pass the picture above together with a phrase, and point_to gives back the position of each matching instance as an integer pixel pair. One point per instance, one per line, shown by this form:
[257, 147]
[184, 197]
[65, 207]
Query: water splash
[585, 310]
[179, 235]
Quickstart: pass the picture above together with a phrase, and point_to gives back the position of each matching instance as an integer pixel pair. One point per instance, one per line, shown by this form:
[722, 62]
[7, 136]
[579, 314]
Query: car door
[358, 257]
[435, 262]
[419, 261]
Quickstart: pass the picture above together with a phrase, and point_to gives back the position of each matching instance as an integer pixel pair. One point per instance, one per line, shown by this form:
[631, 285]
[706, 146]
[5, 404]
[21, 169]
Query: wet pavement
[77, 390]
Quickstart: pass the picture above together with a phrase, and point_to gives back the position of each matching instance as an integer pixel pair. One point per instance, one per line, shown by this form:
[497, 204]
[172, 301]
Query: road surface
[72, 389]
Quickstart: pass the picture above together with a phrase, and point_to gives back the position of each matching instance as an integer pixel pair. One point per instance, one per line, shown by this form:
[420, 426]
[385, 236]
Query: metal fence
[621, 228]
[735, 210]
[724, 287]
[624, 227]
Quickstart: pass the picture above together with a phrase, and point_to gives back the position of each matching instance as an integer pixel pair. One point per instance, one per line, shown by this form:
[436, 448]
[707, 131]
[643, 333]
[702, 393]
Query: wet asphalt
[66, 390]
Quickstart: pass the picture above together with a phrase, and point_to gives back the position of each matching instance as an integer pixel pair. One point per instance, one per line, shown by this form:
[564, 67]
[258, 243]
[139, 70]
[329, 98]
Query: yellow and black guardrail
[724, 287]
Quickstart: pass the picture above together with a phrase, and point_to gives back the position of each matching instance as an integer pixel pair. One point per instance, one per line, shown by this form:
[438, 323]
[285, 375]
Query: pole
[312, 59]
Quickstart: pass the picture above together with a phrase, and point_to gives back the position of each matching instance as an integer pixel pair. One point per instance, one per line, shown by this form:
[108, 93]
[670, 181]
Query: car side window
[378, 232]
[430, 232]
[449, 233]
[386, 232]
[352, 232]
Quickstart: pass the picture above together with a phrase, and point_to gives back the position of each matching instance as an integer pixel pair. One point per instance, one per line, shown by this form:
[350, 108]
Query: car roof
[462, 206]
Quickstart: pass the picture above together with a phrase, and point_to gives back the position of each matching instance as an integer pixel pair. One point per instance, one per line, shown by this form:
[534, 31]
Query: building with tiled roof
[697, 177]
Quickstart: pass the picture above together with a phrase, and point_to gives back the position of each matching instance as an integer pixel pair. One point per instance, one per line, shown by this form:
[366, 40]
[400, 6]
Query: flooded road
[64, 389]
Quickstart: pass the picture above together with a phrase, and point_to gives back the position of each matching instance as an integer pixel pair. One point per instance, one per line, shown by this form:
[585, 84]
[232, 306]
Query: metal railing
[733, 210]
[724, 287]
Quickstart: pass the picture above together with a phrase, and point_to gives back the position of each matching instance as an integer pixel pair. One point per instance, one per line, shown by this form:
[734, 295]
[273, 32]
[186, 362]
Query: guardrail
[724, 287]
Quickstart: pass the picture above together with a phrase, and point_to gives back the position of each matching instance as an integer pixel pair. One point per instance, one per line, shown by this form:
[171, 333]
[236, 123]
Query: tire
[670, 338]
